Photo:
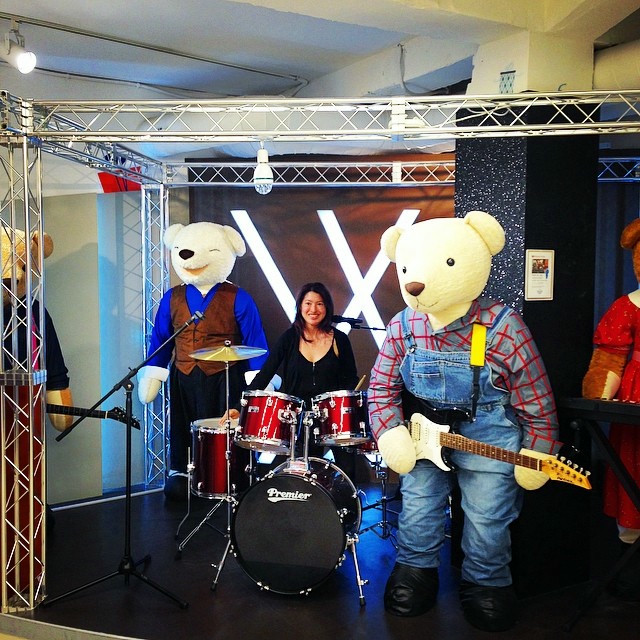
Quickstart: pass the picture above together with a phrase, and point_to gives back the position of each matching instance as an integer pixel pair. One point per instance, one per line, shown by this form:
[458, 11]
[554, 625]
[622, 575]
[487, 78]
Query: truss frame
[94, 134]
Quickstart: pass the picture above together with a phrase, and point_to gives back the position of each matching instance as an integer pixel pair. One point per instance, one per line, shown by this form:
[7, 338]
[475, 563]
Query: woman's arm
[348, 370]
[273, 362]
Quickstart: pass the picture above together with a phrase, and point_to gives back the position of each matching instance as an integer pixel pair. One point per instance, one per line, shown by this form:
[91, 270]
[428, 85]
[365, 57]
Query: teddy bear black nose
[414, 288]
[185, 254]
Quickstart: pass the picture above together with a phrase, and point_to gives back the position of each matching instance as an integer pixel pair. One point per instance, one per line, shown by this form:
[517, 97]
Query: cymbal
[229, 353]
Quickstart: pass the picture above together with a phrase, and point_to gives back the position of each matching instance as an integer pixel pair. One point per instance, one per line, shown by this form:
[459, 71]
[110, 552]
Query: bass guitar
[430, 438]
[117, 413]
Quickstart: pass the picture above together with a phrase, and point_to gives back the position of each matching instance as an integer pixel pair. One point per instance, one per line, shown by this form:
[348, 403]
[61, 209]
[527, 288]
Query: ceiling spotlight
[14, 53]
[263, 175]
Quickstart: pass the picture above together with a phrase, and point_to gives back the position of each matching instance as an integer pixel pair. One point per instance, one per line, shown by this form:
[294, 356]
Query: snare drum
[342, 418]
[208, 450]
[290, 530]
[368, 448]
[265, 421]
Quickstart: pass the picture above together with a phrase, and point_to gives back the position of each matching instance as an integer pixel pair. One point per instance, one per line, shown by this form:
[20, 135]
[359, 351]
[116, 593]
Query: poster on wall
[538, 279]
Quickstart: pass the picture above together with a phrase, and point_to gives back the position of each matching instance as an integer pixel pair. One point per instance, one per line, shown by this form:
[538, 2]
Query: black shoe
[175, 488]
[410, 591]
[488, 608]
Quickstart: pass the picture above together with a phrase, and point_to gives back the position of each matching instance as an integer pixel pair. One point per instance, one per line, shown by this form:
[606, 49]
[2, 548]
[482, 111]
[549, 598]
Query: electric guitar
[430, 438]
[117, 413]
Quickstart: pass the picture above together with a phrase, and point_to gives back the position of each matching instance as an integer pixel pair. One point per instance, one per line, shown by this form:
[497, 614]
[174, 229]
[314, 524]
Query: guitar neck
[76, 411]
[116, 413]
[456, 441]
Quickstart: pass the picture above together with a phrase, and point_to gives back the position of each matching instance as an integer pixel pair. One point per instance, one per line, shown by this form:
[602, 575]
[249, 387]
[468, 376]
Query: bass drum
[290, 530]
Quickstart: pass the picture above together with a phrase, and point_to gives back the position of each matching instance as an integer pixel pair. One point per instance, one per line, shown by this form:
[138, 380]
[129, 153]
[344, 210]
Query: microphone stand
[127, 566]
[357, 324]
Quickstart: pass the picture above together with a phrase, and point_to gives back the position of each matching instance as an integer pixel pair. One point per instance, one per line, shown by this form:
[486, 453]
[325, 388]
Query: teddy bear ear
[630, 235]
[170, 234]
[488, 228]
[389, 241]
[236, 240]
[47, 243]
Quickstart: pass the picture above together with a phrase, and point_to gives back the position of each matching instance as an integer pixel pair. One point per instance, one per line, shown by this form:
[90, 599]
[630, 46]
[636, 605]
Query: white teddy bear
[203, 255]
[500, 396]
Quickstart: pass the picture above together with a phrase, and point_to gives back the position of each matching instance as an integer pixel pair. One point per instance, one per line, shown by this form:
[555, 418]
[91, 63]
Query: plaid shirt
[516, 367]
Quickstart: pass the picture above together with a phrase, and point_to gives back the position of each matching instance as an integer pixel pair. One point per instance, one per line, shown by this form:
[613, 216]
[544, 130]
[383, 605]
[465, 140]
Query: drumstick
[360, 382]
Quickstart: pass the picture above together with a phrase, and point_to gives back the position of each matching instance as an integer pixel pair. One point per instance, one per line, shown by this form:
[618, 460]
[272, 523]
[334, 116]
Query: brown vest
[219, 324]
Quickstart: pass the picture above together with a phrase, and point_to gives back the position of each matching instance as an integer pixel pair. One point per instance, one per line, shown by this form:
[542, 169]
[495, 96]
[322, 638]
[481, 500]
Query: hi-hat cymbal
[228, 353]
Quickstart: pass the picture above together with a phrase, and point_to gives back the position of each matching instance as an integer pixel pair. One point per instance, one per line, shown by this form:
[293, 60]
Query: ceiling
[195, 49]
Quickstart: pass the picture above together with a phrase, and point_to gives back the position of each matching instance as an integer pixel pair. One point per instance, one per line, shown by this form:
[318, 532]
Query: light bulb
[26, 61]
[15, 53]
[263, 175]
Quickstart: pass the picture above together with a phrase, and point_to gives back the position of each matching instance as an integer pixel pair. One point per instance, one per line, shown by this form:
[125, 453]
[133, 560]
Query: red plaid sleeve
[385, 384]
[517, 361]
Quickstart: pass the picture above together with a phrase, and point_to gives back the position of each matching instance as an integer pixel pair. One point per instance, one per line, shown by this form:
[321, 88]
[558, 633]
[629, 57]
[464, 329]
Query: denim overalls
[491, 499]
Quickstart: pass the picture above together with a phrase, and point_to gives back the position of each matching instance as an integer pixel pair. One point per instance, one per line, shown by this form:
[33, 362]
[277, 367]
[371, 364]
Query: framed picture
[538, 277]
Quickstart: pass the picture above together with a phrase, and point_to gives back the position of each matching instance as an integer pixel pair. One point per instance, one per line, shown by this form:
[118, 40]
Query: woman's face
[312, 309]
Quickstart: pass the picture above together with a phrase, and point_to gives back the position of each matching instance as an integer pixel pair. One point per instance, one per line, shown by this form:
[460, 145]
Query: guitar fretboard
[456, 441]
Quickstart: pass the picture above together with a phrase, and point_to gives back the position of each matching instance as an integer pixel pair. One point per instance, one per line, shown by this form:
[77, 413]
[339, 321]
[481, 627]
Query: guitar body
[427, 442]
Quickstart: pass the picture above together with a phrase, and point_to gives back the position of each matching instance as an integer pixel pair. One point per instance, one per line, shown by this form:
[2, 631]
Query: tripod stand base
[126, 568]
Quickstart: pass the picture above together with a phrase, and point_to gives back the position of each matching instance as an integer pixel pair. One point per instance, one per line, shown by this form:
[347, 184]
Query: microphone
[354, 322]
[198, 315]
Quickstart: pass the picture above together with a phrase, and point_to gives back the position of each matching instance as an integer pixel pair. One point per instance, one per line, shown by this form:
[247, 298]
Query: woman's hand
[234, 414]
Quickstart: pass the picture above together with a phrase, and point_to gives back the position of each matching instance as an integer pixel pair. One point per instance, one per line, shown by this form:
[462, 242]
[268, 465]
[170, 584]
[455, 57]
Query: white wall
[121, 321]
[74, 465]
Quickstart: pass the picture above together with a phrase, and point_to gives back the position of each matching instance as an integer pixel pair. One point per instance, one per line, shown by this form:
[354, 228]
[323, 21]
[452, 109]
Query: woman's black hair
[323, 292]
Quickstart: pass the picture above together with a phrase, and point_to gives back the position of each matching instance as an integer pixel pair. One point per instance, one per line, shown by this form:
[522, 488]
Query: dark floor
[88, 543]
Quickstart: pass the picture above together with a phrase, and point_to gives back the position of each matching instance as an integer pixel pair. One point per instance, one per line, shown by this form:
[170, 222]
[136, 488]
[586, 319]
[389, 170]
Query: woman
[312, 356]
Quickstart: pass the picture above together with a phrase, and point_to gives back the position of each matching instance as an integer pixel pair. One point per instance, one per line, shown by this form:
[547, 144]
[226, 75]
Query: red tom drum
[342, 418]
[265, 421]
[208, 450]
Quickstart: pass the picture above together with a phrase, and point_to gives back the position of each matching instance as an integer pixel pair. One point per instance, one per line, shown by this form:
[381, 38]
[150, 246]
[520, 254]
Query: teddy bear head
[14, 252]
[629, 239]
[443, 263]
[203, 253]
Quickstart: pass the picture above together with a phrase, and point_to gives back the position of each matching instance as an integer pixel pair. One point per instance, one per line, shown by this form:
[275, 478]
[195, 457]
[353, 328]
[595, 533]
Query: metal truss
[93, 133]
[297, 119]
[22, 381]
[156, 282]
[619, 170]
[316, 174]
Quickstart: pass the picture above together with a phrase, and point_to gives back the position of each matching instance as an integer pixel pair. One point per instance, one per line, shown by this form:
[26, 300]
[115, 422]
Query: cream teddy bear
[58, 391]
[203, 255]
[471, 361]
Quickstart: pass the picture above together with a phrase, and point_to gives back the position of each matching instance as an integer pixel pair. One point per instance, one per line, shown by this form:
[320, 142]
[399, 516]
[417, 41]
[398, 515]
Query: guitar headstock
[565, 472]
[119, 414]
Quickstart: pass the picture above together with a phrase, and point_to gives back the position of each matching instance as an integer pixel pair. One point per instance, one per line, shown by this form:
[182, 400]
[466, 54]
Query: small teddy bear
[443, 265]
[58, 391]
[203, 255]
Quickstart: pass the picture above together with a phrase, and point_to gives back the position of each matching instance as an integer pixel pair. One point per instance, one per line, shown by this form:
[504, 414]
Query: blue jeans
[490, 501]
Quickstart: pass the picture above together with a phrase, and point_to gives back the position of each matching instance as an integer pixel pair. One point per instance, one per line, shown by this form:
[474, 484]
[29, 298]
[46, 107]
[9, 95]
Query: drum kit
[291, 529]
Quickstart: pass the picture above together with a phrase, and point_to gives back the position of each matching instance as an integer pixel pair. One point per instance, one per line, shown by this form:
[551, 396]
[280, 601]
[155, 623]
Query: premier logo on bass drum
[274, 495]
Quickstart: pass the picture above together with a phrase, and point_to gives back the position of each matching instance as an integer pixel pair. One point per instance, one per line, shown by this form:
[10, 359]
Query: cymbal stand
[386, 528]
[229, 499]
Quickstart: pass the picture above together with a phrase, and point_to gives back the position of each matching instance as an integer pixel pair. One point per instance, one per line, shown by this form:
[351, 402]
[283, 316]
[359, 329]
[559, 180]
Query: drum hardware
[386, 527]
[227, 353]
